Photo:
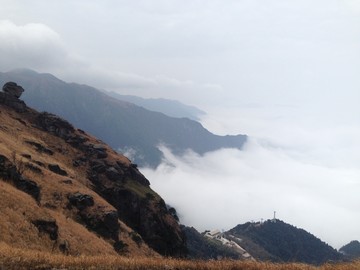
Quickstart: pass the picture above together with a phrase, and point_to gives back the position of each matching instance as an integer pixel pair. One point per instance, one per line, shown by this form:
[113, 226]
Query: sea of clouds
[307, 171]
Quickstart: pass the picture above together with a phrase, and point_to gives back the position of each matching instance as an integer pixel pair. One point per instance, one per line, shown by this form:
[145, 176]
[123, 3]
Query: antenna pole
[274, 219]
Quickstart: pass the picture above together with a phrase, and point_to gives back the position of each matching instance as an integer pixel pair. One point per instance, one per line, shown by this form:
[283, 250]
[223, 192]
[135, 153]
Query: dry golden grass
[13, 258]
[18, 209]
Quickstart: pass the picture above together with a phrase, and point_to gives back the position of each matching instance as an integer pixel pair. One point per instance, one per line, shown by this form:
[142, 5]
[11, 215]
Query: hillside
[65, 191]
[124, 126]
[201, 247]
[282, 242]
[351, 250]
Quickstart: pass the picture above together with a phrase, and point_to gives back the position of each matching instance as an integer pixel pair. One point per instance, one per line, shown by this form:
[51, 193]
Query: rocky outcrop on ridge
[13, 89]
[10, 96]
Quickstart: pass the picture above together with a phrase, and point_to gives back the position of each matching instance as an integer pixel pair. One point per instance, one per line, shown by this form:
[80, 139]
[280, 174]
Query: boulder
[48, 227]
[76, 140]
[81, 201]
[28, 186]
[97, 166]
[55, 125]
[13, 89]
[114, 174]
[33, 168]
[12, 102]
[39, 147]
[56, 169]
[105, 224]
[9, 172]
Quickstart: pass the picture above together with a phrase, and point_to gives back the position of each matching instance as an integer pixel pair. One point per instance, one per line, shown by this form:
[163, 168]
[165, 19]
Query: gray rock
[55, 125]
[81, 201]
[28, 186]
[8, 171]
[113, 174]
[56, 169]
[13, 89]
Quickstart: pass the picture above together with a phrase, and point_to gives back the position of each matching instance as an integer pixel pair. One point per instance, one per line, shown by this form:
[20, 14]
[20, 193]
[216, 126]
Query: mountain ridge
[123, 125]
[172, 108]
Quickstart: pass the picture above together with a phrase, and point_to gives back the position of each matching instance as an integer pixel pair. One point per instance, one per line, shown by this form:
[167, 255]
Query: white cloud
[300, 161]
[31, 45]
[229, 187]
[36, 46]
[249, 50]
[327, 133]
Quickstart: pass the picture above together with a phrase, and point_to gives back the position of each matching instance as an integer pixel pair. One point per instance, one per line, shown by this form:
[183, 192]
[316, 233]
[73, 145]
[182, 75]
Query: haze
[284, 72]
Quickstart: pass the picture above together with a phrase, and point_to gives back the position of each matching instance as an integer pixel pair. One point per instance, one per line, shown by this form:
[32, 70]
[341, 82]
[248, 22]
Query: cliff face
[70, 192]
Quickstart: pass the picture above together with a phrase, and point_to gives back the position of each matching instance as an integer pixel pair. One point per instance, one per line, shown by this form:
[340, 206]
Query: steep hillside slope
[122, 125]
[63, 190]
[281, 242]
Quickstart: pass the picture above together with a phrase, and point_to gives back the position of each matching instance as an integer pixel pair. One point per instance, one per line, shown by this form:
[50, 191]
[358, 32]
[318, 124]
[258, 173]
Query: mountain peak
[351, 250]
[279, 241]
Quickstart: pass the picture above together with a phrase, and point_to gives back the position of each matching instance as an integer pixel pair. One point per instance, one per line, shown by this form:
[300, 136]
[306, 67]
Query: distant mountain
[351, 250]
[282, 242]
[123, 125]
[171, 108]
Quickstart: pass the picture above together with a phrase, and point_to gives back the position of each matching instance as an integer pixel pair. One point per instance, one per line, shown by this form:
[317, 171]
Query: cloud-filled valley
[228, 187]
[309, 175]
[284, 74]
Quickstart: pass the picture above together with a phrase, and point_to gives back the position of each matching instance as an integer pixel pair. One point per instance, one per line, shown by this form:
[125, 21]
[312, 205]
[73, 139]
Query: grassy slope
[13, 258]
[18, 209]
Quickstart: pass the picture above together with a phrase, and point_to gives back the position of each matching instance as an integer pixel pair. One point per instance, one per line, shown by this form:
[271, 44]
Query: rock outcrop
[56, 169]
[81, 201]
[9, 172]
[48, 227]
[13, 89]
[10, 96]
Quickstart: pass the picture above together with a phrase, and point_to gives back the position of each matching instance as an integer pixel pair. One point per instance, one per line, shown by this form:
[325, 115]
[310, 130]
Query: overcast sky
[284, 72]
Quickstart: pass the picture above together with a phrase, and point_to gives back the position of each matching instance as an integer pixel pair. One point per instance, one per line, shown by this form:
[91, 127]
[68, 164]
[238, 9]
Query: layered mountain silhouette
[124, 126]
[65, 191]
[168, 107]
